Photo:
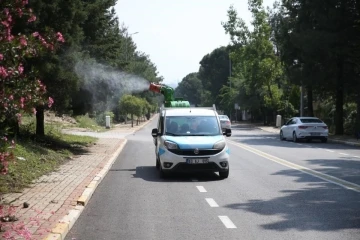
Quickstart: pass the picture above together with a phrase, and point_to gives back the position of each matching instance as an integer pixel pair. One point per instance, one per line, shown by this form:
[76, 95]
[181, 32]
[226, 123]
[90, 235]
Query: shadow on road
[151, 174]
[272, 140]
[321, 206]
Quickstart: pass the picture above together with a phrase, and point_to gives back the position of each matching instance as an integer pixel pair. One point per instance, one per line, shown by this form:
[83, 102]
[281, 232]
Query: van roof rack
[209, 108]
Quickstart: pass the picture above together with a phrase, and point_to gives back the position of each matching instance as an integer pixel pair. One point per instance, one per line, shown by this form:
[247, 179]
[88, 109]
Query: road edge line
[328, 178]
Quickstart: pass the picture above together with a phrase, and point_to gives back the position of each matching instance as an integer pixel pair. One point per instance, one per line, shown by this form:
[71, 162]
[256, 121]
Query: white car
[190, 139]
[225, 122]
[307, 128]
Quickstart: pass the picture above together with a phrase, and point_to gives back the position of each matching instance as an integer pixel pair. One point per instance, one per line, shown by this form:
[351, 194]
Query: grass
[35, 157]
[88, 123]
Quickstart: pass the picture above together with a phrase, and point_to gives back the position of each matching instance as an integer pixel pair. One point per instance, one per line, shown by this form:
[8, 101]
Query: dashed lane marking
[227, 222]
[201, 189]
[211, 202]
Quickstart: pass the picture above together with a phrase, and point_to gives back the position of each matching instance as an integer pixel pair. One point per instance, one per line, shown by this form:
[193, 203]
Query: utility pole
[301, 100]
[127, 43]
[230, 84]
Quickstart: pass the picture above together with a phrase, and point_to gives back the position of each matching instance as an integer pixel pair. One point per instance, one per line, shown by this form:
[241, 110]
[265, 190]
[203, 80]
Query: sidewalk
[338, 139]
[57, 200]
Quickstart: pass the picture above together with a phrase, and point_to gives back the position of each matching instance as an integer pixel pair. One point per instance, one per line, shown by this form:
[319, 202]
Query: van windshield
[192, 126]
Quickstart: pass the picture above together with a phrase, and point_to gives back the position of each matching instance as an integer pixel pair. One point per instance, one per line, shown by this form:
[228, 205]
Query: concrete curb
[144, 124]
[345, 142]
[60, 231]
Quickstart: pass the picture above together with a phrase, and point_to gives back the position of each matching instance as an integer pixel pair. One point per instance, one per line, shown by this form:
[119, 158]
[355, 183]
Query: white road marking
[211, 202]
[329, 150]
[344, 154]
[227, 222]
[201, 188]
[323, 176]
[356, 156]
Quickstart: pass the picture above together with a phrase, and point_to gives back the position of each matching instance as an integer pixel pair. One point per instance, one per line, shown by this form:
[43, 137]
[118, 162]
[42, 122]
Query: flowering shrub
[20, 89]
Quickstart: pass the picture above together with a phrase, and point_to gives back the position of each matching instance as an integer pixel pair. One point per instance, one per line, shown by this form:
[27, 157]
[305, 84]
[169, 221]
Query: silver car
[225, 122]
[306, 128]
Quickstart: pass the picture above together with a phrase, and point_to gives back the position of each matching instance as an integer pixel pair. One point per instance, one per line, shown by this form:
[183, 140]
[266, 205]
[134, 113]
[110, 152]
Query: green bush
[101, 118]
[85, 121]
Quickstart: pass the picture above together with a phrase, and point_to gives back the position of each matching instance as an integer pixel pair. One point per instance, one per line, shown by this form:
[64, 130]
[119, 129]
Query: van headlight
[220, 145]
[170, 145]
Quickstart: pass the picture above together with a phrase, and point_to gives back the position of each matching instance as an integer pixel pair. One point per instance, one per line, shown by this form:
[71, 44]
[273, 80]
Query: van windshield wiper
[195, 135]
[171, 134]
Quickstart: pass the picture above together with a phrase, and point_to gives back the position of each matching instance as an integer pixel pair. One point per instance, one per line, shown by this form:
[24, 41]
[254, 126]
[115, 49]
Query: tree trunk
[40, 126]
[132, 120]
[339, 126]
[357, 122]
[264, 115]
[310, 101]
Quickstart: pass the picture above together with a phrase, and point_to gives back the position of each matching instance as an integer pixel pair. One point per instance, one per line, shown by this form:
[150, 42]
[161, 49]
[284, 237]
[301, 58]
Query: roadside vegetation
[36, 156]
[294, 45]
[40, 55]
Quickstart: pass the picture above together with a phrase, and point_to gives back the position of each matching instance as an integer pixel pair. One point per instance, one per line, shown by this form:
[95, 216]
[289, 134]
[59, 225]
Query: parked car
[225, 122]
[307, 128]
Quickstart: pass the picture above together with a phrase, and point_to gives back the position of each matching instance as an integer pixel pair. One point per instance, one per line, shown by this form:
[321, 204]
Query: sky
[177, 34]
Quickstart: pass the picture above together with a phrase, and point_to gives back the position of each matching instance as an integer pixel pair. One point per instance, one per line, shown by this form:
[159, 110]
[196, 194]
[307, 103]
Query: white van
[190, 139]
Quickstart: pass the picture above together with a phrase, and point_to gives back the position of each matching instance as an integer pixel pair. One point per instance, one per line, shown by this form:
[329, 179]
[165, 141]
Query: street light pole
[126, 44]
[301, 100]
[230, 82]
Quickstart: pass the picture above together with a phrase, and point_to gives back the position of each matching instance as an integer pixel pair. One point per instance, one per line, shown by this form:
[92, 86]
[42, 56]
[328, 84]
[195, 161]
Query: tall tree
[214, 72]
[255, 59]
[190, 88]
[318, 46]
[57, 70]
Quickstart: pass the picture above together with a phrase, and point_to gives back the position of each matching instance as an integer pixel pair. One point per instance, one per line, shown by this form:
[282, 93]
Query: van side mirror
[227, 132]
[154, 132]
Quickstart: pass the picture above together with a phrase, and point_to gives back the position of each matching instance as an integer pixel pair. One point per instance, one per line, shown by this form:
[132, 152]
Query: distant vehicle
[307, 128]
[225, 122]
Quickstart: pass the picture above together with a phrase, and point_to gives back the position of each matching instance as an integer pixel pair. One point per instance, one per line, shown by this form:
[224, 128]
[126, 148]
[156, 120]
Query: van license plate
[197, 160]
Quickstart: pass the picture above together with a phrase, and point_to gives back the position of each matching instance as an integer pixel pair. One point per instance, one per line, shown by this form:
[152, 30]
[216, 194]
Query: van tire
[163, 175]
[157, 162]
[224, 175]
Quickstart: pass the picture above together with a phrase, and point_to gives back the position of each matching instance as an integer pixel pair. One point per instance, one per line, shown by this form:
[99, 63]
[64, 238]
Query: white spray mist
[118, 82]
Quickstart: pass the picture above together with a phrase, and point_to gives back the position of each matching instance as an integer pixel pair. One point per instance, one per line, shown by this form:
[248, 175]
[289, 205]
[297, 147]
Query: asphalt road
[276, 190]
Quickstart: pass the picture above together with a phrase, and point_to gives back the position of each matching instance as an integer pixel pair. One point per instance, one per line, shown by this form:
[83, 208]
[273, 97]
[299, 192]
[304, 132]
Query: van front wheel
[224, 175]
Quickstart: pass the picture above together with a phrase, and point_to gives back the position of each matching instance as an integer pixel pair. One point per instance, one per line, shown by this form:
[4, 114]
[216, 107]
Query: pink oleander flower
[50, 102]
[3, 72]
[5, 23]
[1, 57]
[22, 100]
[60, 37]
[20, 69]
[32, 18]
[23, 41]
[35, 34]
[20, 12]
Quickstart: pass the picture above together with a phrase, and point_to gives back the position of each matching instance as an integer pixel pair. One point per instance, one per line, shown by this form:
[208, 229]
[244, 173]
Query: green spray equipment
[168, 92]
